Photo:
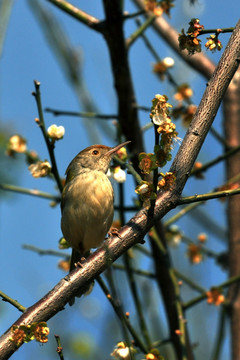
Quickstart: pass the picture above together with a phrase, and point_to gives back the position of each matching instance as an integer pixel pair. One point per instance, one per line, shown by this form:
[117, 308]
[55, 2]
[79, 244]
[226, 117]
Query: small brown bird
[87, 200]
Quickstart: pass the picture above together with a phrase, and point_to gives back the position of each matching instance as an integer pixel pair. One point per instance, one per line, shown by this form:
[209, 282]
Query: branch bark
[127, 111]
[231, 110]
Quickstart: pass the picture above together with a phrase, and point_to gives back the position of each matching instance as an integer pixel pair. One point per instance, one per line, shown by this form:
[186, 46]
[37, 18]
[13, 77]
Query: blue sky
[27, 56]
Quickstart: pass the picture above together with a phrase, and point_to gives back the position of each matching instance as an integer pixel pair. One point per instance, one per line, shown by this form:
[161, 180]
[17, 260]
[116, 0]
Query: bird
[87, 200]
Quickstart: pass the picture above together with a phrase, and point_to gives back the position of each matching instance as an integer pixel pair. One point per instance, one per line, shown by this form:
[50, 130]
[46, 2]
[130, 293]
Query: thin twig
[132, 38]
[216, 31]
[50, 144]
[15, 303]
[208, 196]
[220, 334]
[198, 299]
[215, 161]
[189, 282]
[140, 272]
[122, 316]
[77, 13]
[59, 347]
[90, 115]
[131, 279]
[46, 251]
[32, 192]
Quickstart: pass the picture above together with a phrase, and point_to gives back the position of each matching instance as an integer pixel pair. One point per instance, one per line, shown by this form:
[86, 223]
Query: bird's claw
[80, 263]
[114, 231]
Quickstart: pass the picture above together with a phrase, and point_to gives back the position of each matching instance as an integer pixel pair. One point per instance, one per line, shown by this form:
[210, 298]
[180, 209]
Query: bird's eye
[95, 152]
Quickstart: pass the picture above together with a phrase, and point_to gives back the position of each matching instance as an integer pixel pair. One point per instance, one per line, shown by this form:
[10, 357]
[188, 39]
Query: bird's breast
[88, 209]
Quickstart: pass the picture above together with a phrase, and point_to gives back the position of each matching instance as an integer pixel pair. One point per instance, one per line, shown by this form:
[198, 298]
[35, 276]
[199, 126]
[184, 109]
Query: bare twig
[88, 115]
[204, 197]
[11, 301]
[77, 13]
[50, 144]
[32, 192]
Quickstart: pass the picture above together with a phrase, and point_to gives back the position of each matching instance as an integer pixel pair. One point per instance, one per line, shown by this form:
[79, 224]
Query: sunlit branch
[46, 251]
[77, 13]
[216, 31]
[32, 192]
[132, 38]
[13, 302]
[209, 196]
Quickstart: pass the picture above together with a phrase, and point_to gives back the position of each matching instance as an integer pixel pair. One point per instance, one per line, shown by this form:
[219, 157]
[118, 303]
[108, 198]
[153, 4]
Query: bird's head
[95, 157]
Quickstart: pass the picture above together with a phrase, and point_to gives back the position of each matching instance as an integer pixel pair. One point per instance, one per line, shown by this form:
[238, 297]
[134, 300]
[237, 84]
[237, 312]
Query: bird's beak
[116, 148]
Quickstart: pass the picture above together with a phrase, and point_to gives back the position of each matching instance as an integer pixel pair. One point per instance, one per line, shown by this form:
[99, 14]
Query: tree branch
[77, 13]
[231, 110]
[32, 192]
[127, 111]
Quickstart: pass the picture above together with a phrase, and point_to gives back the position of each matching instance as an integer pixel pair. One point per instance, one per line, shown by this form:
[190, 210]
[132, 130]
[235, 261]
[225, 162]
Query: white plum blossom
[56, 132]
[119, 175]
[168, 62]
[122, 352]
[40, 169]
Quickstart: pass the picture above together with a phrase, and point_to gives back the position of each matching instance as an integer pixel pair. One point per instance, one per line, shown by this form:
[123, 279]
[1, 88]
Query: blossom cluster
[26, 333]
[160, 68]
[228, 186]
[146, 192]
[154, 355]
[55, 132]
[159, 7]
[192, 43]
[122, 351]
[194, 251]
[173, 235]
[162, 152]
[215, 296]
[165, 127]
[186, 113]
[213, 43]
[115, 171]
[17, 144]
[40, 169]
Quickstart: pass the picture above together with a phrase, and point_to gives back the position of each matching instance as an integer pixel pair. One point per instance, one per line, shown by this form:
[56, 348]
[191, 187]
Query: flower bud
[56, 132]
